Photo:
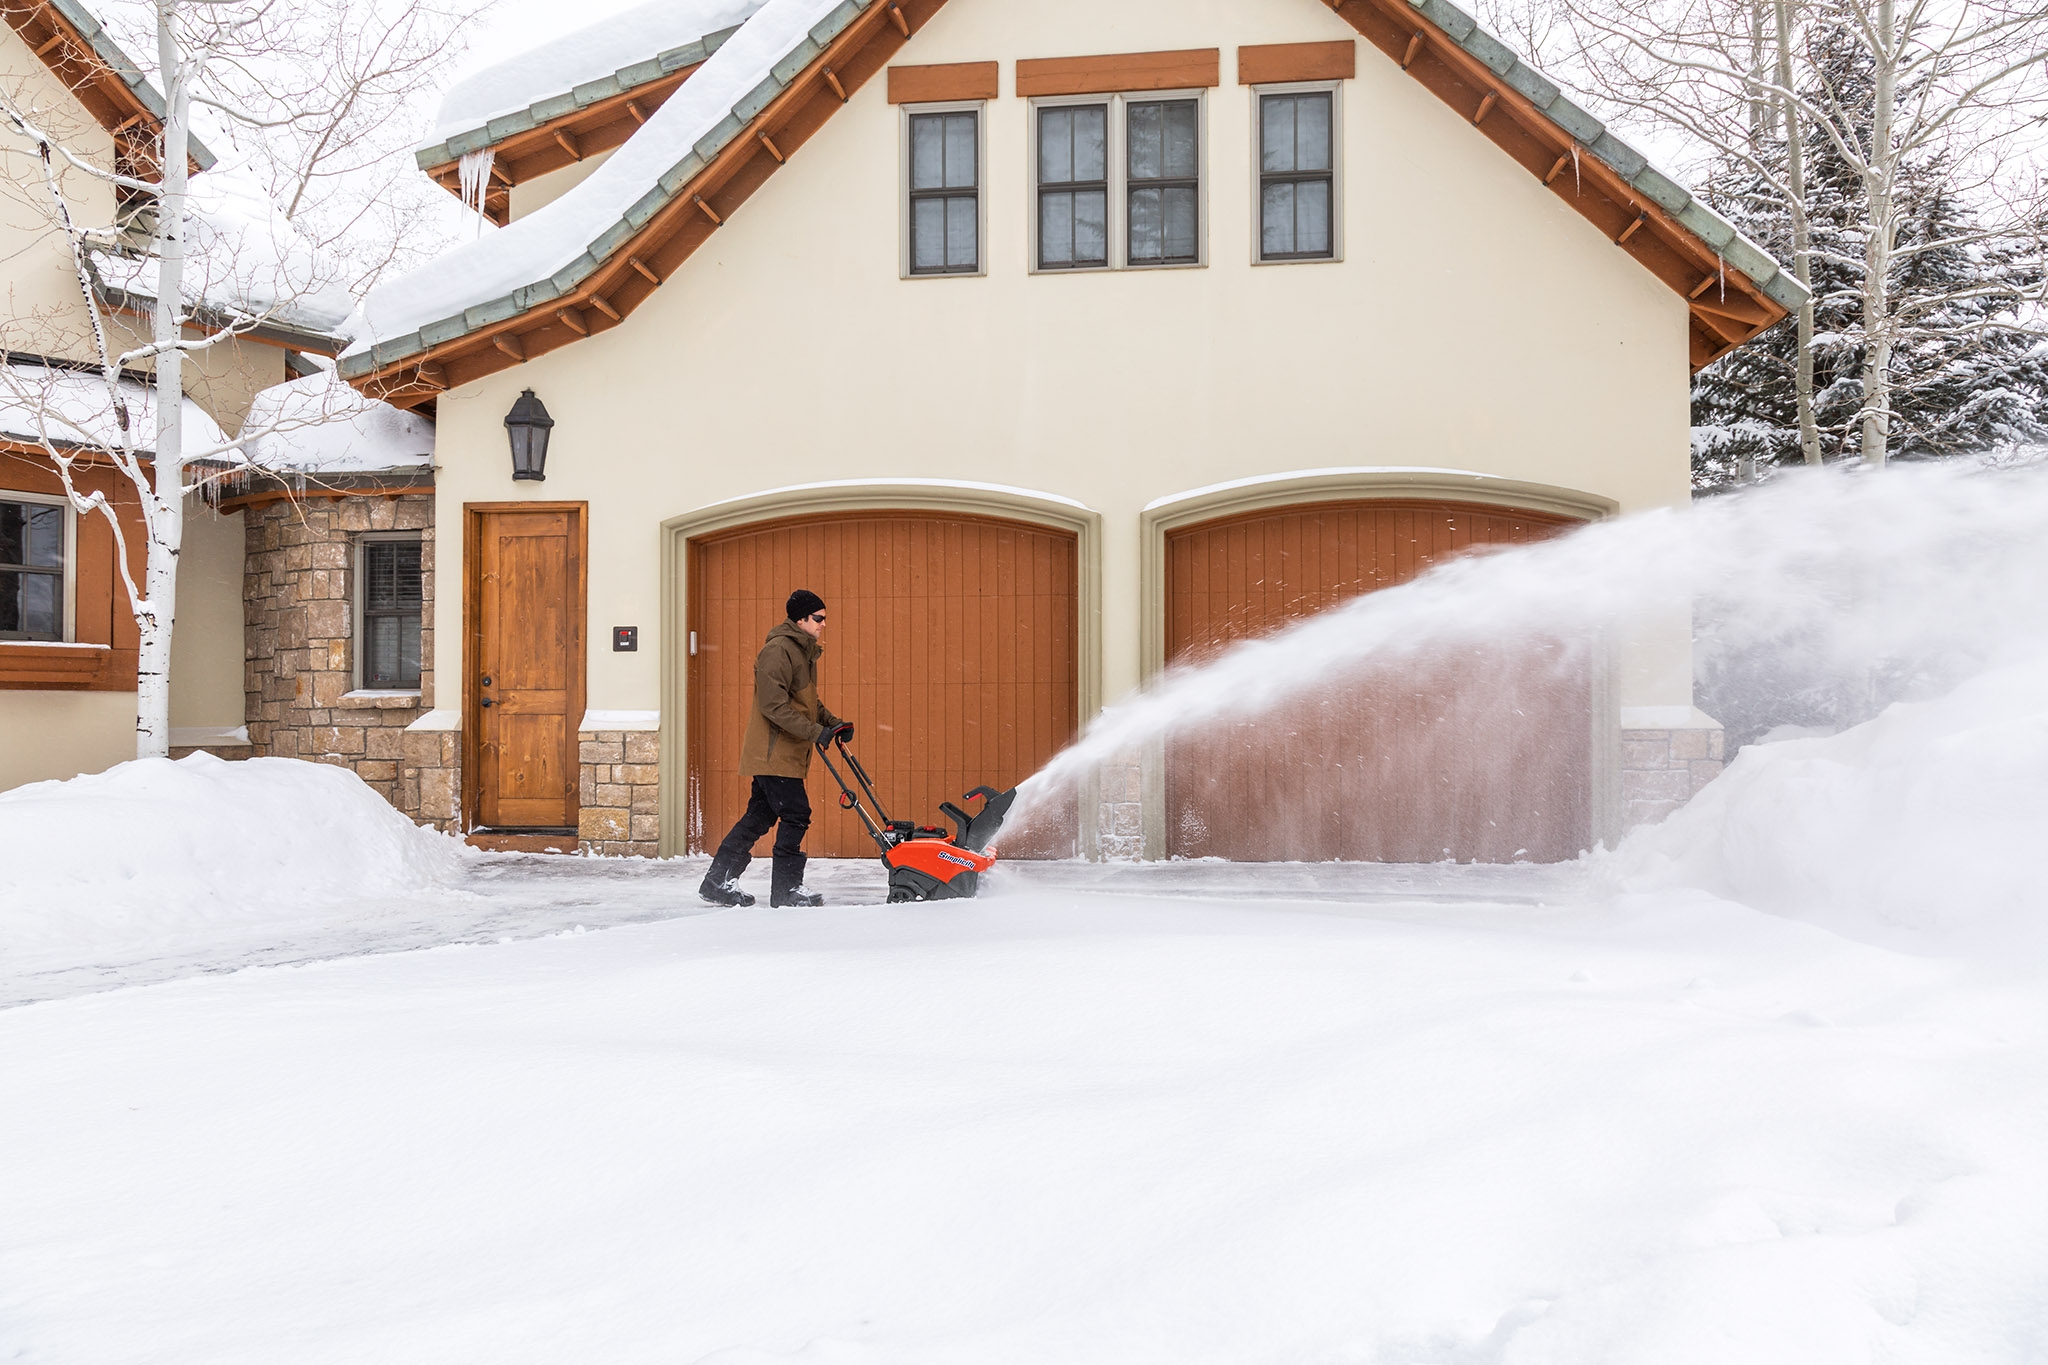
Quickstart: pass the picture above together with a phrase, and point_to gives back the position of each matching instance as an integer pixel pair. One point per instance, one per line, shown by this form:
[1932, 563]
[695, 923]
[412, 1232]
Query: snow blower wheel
[925, 862]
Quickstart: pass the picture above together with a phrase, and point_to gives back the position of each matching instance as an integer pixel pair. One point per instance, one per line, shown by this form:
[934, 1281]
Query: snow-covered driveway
[1057, 1124]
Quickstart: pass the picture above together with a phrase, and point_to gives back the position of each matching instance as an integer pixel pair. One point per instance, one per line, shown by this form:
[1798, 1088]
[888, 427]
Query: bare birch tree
[1954, 82]
[232, 57]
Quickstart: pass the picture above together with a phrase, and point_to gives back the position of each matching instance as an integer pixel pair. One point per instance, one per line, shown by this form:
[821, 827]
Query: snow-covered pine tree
[1968, 372]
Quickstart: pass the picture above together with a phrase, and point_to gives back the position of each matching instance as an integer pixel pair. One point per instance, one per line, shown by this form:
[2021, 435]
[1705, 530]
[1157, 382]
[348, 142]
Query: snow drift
[1918, 829]
[155, 847]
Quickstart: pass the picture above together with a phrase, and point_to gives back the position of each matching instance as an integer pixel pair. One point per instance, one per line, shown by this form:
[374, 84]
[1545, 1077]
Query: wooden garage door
[1482, 753]
[950, 645]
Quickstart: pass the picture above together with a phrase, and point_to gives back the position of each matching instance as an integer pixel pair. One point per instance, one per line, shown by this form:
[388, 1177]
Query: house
[1051, 344]
[67, 636]
[1002, 326]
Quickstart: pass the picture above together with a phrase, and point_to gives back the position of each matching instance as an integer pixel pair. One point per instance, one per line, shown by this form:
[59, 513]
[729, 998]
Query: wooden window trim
[947, 81]
[1270, 63]
[1117, 73]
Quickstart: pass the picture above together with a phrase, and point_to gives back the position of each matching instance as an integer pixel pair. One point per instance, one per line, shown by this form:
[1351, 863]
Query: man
[787, 721]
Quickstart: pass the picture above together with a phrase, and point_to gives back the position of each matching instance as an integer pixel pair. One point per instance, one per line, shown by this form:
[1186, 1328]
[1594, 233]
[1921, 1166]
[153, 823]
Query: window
[1119, 182]
[391, 596]
[1163, 138]
[1073, 186]
[945, 192]
[31, 569]
[1297, 176]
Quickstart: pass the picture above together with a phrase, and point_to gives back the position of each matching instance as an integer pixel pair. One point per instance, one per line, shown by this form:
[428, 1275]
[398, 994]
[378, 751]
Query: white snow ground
[1180, 1113]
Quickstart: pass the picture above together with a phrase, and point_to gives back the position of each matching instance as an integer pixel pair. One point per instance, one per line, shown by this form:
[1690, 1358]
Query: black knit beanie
[803, 602]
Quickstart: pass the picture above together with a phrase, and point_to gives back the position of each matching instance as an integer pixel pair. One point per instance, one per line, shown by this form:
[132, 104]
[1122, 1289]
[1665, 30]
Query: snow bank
[318, 424]
[1919, 828]
[153, 849]
[562, 63]
[535, 247]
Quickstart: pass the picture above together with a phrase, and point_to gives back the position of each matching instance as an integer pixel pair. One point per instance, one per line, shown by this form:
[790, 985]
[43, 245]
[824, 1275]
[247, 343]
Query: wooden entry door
[951, 645]
[523, 698]
[1483, 753]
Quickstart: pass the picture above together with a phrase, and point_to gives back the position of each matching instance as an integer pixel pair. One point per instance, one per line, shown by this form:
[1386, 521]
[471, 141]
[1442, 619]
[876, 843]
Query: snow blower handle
[848, 800]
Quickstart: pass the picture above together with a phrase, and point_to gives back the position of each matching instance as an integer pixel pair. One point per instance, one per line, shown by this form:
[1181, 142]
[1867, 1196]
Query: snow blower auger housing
[925, 862]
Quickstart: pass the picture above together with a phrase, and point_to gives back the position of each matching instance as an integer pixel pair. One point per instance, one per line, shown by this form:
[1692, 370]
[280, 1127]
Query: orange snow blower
[925, 863]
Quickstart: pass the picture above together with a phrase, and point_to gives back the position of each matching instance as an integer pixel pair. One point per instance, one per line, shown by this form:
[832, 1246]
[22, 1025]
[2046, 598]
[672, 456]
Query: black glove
[843, 732]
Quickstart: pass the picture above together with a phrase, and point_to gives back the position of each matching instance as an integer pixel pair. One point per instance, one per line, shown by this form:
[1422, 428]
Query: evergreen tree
[1967, 375]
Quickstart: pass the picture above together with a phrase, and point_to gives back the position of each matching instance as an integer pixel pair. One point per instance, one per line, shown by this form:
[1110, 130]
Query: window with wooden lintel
[31, 568]
[1298, 218]
[1118, 181]
[390, 595]
[943, 219]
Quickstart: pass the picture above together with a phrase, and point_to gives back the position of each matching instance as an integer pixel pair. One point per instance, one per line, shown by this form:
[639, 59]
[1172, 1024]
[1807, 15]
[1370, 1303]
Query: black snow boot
[786, 886]
[720, 889]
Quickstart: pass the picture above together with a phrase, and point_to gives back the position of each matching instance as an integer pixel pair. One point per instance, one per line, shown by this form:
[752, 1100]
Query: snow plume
[475, 173]
[1818, 601]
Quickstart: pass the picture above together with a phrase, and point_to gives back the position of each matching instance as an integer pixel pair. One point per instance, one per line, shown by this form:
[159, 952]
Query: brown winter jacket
[787, 717]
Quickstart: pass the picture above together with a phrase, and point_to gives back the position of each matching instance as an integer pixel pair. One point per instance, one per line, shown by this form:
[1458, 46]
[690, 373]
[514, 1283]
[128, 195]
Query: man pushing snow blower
[787, 721]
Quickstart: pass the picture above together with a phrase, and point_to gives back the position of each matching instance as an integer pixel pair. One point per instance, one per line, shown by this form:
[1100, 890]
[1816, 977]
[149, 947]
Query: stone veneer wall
[620, 811]
[1120, 810]
[1661, 770]
[298, 604]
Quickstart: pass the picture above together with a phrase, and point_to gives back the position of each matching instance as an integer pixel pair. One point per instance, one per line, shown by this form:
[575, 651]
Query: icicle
[475, 173]
[1721, 265]
[1577, 187]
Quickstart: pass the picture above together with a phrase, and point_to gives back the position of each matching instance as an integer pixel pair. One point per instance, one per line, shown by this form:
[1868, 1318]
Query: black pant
[775, 799]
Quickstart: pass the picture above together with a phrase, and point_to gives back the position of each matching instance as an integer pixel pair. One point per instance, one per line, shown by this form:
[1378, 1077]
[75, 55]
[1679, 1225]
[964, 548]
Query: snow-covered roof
[72, 407]
[550, 253]
[245, 264]
[316, 424]
[109, 55]
[565, 74]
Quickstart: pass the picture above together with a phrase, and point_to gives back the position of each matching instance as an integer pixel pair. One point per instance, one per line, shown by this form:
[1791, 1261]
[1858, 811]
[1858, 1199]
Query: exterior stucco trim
[1181, 510]
[865, 495]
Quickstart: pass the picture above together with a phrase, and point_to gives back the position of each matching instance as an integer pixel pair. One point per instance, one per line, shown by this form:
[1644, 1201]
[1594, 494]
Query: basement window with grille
[389, 598]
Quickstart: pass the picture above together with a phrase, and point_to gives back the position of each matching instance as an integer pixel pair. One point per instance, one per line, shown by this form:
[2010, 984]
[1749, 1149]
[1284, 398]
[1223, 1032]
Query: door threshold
[524, 841]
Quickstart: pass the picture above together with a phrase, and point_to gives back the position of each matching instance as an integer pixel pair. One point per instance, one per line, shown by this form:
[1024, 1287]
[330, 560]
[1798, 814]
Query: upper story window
[391, 594]
[31, 569]
[1073, 186]
[1119, 182]
[1164, 138]
[944, 218]
[1297, 175]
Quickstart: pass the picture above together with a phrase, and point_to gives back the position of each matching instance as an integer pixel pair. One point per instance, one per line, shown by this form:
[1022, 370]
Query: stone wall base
[1120, 809]
[429, 786]
[620, 792]
[1661, 770]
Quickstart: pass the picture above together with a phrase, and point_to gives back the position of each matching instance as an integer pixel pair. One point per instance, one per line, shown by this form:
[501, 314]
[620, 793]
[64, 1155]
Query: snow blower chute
[925, 863]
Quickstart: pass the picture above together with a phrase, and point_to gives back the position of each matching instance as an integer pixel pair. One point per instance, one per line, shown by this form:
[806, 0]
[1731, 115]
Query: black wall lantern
[528, 424]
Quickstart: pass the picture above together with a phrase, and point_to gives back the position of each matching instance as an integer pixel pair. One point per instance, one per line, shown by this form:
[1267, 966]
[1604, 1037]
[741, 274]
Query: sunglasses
[818, 616]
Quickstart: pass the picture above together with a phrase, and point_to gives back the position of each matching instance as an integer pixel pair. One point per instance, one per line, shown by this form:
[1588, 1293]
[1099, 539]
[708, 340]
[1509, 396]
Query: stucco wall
[1476, 323]
[40, 307]
[62, 734]
[206, 643]
[547, 189]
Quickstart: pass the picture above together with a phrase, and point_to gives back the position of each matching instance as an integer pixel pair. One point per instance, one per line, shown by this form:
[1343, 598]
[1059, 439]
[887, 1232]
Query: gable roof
[578, 96]
[584, 262]
[70, 42]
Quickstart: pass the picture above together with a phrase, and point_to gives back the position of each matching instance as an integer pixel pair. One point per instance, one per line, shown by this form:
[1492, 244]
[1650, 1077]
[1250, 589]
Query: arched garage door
[951, 645]
[1479, 755]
